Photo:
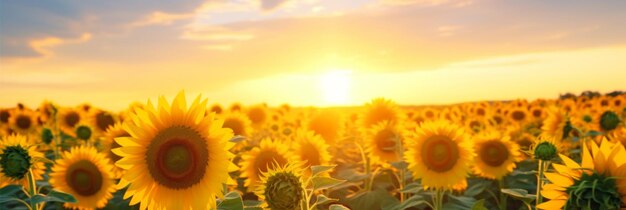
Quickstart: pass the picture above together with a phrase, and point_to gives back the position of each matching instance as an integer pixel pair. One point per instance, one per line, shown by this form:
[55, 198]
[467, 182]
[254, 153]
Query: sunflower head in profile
[23, 121]
[382, 142]
[85, 133]
[260, 159]
[608, 120]
[440, 153]
[109, 144]
[281, 188]
[174, 151]
[18, 156]
[84, 173]
[238, 122]
[496, 155]
[68, 118]
[328, 123]
[310, 149]
[379, 110]
[596, 183]
[558, 124]
[46, 109]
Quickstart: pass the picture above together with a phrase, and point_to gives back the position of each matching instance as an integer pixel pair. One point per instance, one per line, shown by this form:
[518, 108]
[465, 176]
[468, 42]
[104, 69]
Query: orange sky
[311, 52]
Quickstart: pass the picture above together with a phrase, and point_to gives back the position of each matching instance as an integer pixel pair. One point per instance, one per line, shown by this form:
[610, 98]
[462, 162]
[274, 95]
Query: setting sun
[335, 87]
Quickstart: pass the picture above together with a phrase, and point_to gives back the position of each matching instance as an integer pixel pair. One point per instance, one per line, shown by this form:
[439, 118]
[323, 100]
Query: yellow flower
[260, 159]
[23, 121]
[17, 156]
[440, 154]
[328, 124]
[379, 110]
[84, 173]
[109, 144]
[238, 123]
[496, 155]
[68, 118]
[596, 183]
[382, 143]
[281, 188]
[175, 157]
[258, 115]
[310, 149]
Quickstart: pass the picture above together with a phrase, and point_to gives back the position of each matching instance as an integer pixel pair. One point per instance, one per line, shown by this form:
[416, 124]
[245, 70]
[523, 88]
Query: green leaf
[479, 205]
[519, 194]
[252, 208]
[62, 197]
[320, 183]
[338, 207]
[10, 190]
[322, 199]
[412, 188]
[232, 200]
[315, 170]
[376, 199]
[476, 188]
[413, 201]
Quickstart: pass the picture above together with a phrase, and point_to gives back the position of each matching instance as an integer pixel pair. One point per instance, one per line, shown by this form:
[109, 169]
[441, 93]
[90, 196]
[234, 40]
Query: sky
[309, 52]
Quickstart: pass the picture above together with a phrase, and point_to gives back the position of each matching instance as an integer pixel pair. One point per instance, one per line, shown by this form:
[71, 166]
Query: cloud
[161, 18]
[271, 4]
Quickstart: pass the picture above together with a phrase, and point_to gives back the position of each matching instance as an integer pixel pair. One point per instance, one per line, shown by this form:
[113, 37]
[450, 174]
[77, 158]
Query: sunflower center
[386, 141]
[236, 125]
[71, 119]
[440, 153]
[518, 115]
[266, 159]
[84, 178]
[493, 153]
[283, 191]
[104, 120]
[537, 113]
[177, 157]
[609, 120]
[15, 162]
[4, 116]
[480, 112]
[593, 191]
[83, 132]
[23, 122]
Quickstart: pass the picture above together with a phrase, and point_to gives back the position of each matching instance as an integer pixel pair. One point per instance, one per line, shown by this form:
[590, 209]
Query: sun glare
[335, 86]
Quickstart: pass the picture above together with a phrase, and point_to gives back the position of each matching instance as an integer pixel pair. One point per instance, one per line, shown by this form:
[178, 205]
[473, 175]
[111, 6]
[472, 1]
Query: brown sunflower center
[236, 125]
[518, 115]
[311, 155]
[177, 157]
[84, 178]
[385, 140]
[537, 113]
[4, 116]
[493, 153]
[267, 159]
[104, 120]
[71, 119]
[440, 153]
[23, 122]
[480, 112]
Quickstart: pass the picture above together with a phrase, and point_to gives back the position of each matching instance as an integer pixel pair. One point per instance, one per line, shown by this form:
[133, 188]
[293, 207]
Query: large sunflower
[310, 149]
[17, 157]
[84, 173]
[281, 188]
[597, 183]
[328, 124]
[109, 143]
[382, 143]
[496, 155]
[440, 154]
[262, 158]
[175, 157]
[379, 110]
[23, 121]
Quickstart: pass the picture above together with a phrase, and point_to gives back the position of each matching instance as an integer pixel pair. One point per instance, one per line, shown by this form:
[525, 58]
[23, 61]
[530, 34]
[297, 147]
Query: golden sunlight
[335, 87]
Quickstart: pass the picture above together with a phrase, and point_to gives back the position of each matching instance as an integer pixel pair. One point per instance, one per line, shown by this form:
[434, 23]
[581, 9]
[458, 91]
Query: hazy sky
[310, 52]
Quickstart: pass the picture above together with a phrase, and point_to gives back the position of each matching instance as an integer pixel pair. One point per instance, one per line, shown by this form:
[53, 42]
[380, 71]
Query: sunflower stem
[32, 189]
[438, 199]
[502, 202]
[540, 169]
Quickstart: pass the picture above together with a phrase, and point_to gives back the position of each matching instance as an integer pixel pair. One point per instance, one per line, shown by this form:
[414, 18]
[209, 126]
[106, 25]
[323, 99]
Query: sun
[335, 86]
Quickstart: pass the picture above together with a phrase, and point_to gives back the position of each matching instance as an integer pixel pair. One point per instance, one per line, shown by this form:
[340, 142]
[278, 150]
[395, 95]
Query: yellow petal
[552, 204]
[567, 171]
[587, 159]
[569, 162]
[559, 179]
[554, 194]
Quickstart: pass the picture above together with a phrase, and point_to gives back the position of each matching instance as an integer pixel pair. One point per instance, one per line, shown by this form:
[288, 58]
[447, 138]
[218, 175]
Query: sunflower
[68, 119]
[17, 157]
[597, 183]
[547, 147]
[440, 154]
[46, 109]
[102, 120]
[281, 188]
[217, 109]
[519, 114]
[382, 143]
[310, 149]
[109, 143]
[85, 133]
[496, 155]
[238, 122]
[557, 124]
[5, 114]
[607, 120]
[429, 114]
[258, 115]
[174, 151]
[84, 173]
[261, 159]
[23, 121]
[379, 110]
[328, 124]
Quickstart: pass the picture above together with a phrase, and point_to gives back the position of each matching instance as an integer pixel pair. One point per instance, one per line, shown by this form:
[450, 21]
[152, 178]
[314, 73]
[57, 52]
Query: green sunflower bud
[83, 132]
[587, 118]
[15, 162]
[593, 192]
[47, 136]
[609, 121]
[283, 192]
[567, 129]
[545, 151]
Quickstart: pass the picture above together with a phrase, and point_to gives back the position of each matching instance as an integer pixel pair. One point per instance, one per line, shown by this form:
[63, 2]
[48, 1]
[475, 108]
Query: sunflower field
[565, 153]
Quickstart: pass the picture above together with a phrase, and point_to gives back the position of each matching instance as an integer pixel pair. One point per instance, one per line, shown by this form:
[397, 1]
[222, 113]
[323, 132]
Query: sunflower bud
[47, 136]
[283, 192]
[567, 129]
[609, 120]
[545, 151]
[587, 118]
[83, 132]
[595, 191]
[15, 162]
